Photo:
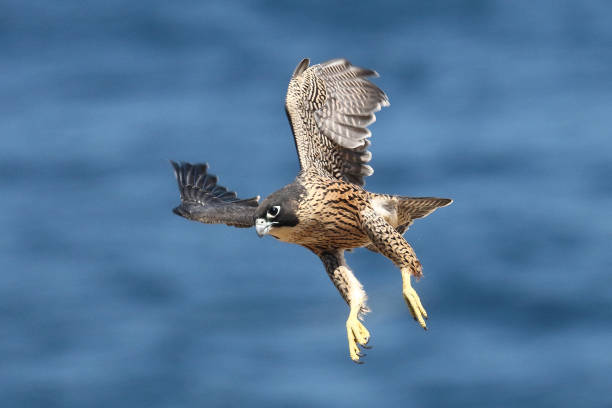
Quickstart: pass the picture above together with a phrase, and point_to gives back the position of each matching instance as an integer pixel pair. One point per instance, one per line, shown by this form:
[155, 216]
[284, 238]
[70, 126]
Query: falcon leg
[392, 244]
[354, 295]
[412, 299]
[357, 334]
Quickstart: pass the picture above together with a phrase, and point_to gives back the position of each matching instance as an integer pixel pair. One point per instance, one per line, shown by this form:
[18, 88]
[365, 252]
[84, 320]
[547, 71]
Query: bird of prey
[325, 209]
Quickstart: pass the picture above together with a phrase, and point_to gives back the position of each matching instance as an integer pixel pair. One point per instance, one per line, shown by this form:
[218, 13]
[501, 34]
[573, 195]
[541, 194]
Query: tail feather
[419, 207]
[400, 211]
[411, 208]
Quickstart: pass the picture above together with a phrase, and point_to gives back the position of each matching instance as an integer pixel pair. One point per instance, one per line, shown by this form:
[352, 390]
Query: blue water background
[109, 299]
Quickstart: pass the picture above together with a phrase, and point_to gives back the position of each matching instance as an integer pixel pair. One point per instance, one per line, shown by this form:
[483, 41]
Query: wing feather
[330, 107]
[203, 200]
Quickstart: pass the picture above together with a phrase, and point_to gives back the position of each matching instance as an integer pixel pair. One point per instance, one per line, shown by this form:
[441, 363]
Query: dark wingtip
[175, 166]
[301, 67]
[185, 172]
[195, 184]
[178, 211]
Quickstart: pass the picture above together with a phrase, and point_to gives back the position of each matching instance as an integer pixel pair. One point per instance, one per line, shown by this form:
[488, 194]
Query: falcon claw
[413, 301]
[358, 336]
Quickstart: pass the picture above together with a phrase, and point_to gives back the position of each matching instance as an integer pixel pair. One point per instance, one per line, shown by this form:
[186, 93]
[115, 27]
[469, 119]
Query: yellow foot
[413, 301]
[358, 335]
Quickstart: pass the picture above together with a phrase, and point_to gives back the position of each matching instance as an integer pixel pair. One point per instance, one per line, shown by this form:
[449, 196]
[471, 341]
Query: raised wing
[203, 200]
[330, 107]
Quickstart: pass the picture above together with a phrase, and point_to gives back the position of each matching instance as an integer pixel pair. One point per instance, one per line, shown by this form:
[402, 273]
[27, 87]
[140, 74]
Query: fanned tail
[411, 208]
[400, 211]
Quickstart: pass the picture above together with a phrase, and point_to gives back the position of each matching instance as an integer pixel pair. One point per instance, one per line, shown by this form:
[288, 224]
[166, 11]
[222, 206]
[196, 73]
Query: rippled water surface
[108, 299]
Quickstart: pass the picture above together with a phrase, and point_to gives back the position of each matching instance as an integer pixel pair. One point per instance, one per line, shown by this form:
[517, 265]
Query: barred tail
[419, 207]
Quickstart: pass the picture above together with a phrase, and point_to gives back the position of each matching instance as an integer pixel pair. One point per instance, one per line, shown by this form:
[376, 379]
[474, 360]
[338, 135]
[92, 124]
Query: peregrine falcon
[325, 209]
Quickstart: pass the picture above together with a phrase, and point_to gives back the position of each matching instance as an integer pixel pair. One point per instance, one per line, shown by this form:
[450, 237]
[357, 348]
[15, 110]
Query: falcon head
[279, 211]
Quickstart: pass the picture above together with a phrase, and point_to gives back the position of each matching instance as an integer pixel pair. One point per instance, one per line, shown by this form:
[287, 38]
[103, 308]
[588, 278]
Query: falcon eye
[273, 211]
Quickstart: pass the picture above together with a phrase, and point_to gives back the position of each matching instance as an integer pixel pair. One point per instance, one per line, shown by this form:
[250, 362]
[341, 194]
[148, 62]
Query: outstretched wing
[203, 200]
[330, 107]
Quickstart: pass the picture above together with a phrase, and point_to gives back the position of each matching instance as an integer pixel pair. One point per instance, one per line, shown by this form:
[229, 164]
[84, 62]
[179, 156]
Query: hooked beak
[262, 226]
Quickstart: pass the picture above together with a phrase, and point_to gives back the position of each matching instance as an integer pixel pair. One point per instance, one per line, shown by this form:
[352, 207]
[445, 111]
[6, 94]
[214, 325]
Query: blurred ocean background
[109, 299]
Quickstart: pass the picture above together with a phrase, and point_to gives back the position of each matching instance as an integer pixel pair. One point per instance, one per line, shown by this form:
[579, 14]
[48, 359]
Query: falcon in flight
[325, 209]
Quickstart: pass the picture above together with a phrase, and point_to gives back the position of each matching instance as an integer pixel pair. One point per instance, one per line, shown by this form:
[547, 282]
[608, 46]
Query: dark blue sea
[107, 299]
